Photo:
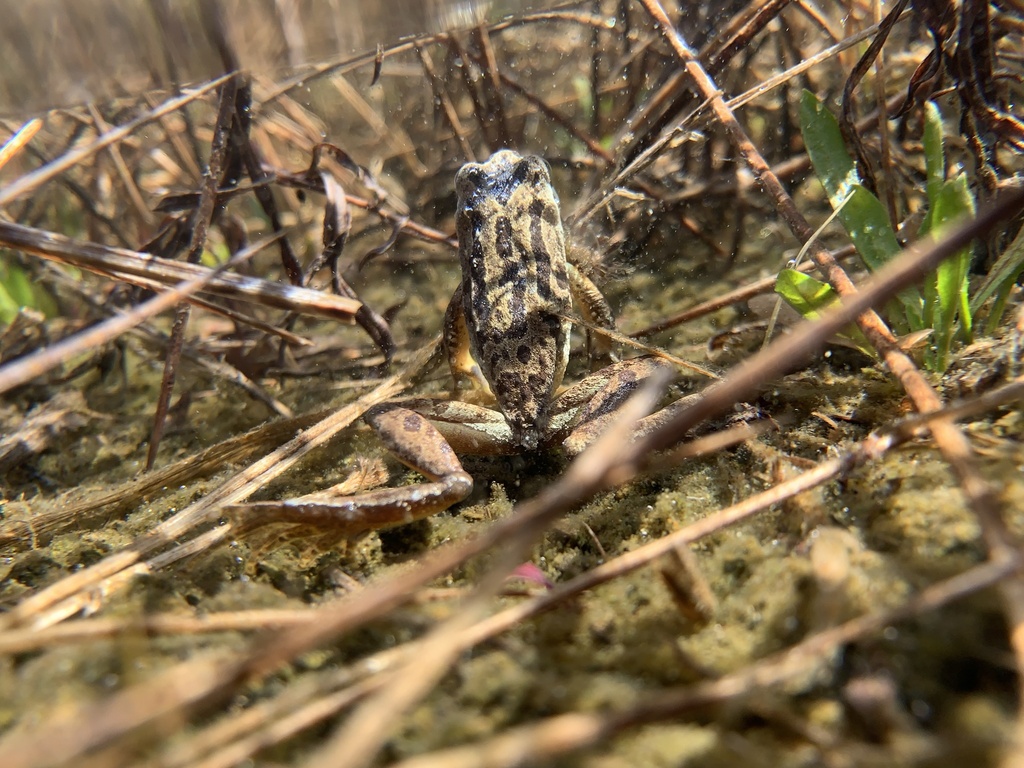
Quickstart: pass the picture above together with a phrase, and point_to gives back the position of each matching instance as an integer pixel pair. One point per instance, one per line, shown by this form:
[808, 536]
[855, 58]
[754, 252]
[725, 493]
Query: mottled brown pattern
[507, 341]
[515, 289]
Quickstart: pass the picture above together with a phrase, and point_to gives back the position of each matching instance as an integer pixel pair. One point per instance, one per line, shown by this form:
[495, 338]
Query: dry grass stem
[563, 734]
[25, 369]
[753, 561]
[32, 181]
[45, 608]
[124, 264]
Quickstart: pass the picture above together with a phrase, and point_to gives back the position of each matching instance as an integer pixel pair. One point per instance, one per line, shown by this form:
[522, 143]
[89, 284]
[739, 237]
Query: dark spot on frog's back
[512, 273]
[523, 353]
[412, 423]
[503, 238]
[507, 382]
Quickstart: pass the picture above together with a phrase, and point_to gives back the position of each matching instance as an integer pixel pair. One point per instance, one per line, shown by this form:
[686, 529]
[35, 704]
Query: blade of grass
[952, 202]
[1000, 281]
[934, 158]
[863, 214]
[812, 297]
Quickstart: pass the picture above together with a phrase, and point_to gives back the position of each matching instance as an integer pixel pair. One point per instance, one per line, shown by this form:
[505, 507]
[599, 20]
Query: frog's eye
[540, 172]
[534, 170]
[468, 179]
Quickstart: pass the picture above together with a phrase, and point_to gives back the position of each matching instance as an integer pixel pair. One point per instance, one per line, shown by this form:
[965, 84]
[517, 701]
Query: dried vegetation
[258, 261]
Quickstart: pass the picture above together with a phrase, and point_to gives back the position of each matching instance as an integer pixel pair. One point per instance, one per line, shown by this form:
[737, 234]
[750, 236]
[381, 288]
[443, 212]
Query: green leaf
[953, 201]
[1000, 280]
[8, 306]
[43, 301]
[934, 157]
[214, 255]
[867, 222]
[811, 297]
[17, 290]
[833, 165]
[19, 287]
[861, 213]
[807, 295]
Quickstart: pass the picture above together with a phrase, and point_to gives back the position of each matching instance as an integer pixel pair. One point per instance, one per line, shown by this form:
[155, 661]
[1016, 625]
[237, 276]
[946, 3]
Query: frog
[506, 335]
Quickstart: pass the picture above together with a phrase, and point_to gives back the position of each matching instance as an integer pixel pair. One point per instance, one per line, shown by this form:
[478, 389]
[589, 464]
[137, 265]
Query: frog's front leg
[414, 441]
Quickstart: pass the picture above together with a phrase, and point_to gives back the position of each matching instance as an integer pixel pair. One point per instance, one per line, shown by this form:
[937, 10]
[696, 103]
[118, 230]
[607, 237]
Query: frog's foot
[415, 442]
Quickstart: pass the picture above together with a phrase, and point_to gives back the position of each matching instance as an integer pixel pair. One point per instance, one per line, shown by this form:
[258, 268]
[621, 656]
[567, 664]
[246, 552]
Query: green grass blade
[998, 307]
[8, 306]
[811, 297]
[1000, 280]
[863, 214]
[952, 202]
[934, 157]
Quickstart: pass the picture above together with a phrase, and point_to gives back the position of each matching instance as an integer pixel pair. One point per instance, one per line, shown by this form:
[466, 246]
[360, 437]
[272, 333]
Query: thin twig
[24, 369]
[547, 739]
[201, 219]
[30, 181]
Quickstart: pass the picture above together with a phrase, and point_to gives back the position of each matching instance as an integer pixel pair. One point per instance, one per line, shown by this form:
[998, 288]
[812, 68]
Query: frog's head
[497, 180]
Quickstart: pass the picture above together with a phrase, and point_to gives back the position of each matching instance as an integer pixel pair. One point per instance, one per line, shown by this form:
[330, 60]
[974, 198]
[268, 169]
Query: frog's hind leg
[594, 310]
[582, 412]
[470, 384]
[414, 441]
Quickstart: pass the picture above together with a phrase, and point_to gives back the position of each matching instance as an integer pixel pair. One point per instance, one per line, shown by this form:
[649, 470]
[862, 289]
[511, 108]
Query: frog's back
[515, 286]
